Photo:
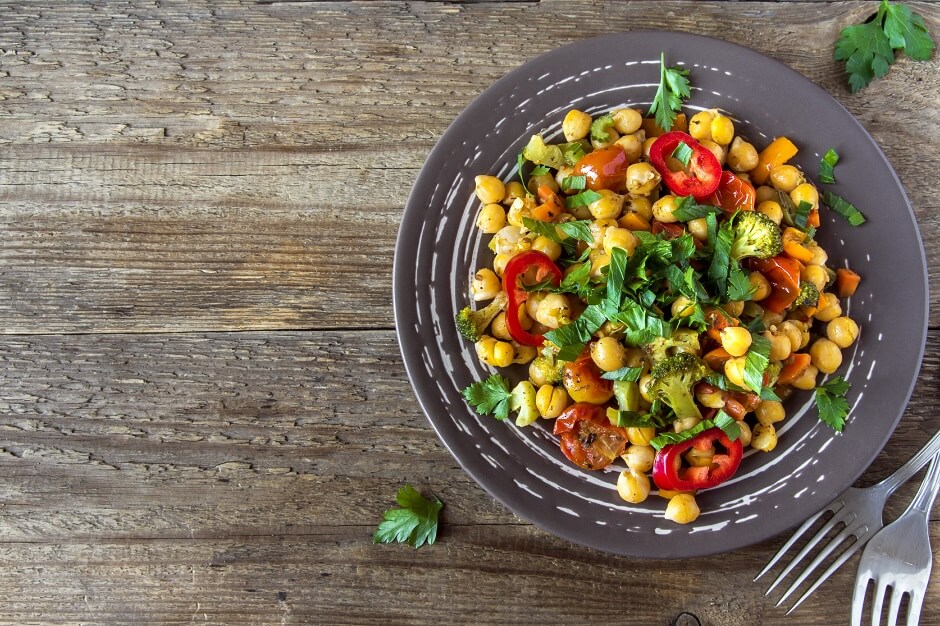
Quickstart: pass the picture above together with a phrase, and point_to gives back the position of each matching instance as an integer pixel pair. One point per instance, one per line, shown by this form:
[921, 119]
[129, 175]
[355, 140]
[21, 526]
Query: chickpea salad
[661, 280]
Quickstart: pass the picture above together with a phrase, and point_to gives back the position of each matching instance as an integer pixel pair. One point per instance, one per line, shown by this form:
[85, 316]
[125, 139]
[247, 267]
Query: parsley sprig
[831, 403]
[672, 91]
[869, 49]
[415, 523]
[490, 396]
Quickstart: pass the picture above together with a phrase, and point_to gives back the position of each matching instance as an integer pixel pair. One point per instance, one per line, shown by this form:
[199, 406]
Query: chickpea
[646, 382]
[806, 380]
[764, 437]
[722, 129]
[608, 206]
[734, 371]
[633, 486]
[764, 193]
[700, 126]
[632, 146]
[780, 346]
[489, 189]
[759, 284]
[647, 144]
[524, 354]
[576, 125]
[682, 509]
[499, 328]
[499, 263]
[554, 310]
[772, 209]
[746, 435]
[820, 256]
[826, 355]
[639, 458]
[698, 228]
[640, 435]
[842, 331]
[598, 263]
[640, 205]
[769, 412]
[494, 352]
[805, 192]
[711, 399]
[492, 217]
[608, 354]
[514, 190]
[742, 156]
[551, 249]
[663, 208]
[682, 307]
[700, 458]
[791, 331]
[620, 238]
[817, 275]
[786, 178]
[485, 285]
[828, 307]
[734, 308]
[685, 423]
[642, 179]
[551, 400]
[545, 179]
[627, 121]
[735, 340]
[719, 151]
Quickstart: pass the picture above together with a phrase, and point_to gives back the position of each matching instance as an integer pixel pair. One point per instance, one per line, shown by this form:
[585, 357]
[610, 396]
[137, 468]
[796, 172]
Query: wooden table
[203, 407]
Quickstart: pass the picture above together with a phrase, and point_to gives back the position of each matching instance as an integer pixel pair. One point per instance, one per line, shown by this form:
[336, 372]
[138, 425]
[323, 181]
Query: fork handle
[906, 471]
[927, 492]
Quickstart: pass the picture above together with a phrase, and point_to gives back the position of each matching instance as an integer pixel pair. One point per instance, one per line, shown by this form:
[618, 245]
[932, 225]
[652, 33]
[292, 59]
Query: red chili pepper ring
[669, 473]
[701, 177]
[517, 267]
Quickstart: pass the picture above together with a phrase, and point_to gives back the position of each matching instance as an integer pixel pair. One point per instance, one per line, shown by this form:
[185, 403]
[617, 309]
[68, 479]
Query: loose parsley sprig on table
[673, 90]
[868, 49]
[415, 523]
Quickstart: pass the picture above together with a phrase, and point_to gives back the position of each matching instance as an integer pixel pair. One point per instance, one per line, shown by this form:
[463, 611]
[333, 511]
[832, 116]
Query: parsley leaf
[673, 89]
[868, 49]
[615, 277]
[739, 285]
[721, 257]
[826, 165]
[630, 419]
[539, 170]
[755, 362]
[490, 396]
[831, 402]
[415, 523]
[682, 153]
[801, 214]
[573, 183]
[624, 374]
[571, 338]
[577, 229]
[582, 199]
[688, 209]
[727, 424]
[844, 208]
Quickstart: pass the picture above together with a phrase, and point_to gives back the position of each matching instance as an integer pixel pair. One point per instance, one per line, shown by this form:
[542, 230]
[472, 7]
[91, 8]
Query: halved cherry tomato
[512, 278]
[669, 473]
[700, 178]
[605, 168]
[733, 194]
[784, 276]
[583, 382]
[587, 437]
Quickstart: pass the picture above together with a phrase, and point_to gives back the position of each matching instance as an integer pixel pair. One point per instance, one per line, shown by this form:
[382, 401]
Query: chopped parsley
[831, 403]
[844, 208]
[827, 165]
[573, 183]
[582, 199]
[672, 91]
[682, 153]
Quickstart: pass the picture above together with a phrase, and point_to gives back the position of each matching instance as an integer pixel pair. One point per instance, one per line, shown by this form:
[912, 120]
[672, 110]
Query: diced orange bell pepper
[633, 221]
[846, 282]
[653, 130]
[793, 245]
[777, 153]
[793, 367]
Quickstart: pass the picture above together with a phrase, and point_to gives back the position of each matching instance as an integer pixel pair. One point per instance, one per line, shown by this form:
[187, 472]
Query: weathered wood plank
[191, 169]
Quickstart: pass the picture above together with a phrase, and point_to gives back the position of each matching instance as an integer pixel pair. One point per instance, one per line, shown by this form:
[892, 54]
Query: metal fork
[859, 511]
[899, 556]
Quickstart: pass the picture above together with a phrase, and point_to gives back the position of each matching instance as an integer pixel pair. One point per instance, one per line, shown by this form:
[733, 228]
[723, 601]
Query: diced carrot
[551, 206]
[717, 321]
[653, 130]
[716, 358]
[795, 365]
[778, 152]
[813, 218]
[633, 221]
[846, 282]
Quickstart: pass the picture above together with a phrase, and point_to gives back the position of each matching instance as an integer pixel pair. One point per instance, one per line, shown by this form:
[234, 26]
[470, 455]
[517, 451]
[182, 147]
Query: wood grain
[151, 182]
[203, 409]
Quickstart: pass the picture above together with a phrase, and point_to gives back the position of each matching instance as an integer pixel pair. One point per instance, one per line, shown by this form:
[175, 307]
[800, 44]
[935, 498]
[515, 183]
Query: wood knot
[686, 619]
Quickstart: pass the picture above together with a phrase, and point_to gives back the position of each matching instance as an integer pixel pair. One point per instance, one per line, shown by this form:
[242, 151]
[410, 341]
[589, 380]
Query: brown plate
[439, 249]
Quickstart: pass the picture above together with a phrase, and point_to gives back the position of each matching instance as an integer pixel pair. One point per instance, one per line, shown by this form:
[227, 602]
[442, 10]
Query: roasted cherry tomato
[587, 437]
[669, 472]
[700, 178]
[517, 267]
[733, 194]
[583, 382]
[605, 168]
[784, 276]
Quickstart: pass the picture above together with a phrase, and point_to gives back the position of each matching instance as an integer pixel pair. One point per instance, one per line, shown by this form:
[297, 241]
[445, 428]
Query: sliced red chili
[669, 472]
[700, 178]
[733, 194]
[517, 267]
[784, 276]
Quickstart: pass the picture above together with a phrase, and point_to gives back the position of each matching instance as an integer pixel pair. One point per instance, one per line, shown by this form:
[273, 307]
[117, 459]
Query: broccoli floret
[673, 379]
[809, 295]
[755, 235]
[682, 340]
[472, 324]
[546, 366]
